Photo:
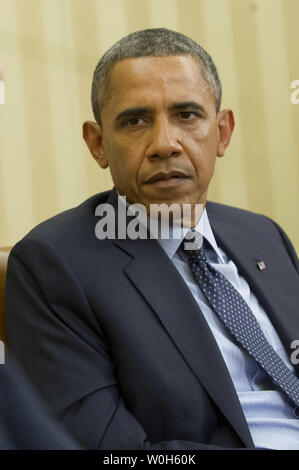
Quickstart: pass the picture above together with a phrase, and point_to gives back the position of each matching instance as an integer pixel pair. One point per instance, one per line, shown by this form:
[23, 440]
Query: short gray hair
[156, 42]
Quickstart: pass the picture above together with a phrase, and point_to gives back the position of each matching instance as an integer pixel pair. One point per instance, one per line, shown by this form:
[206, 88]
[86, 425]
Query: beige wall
[50, 48]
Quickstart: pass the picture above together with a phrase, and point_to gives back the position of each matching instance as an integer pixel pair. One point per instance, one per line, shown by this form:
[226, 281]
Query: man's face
[160, 132]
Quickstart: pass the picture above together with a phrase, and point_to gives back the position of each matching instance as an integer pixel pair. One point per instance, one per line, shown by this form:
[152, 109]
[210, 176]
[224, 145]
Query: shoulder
[69, 232]
[69, 224]
[259, 227]
[240, 219]
[225, 213]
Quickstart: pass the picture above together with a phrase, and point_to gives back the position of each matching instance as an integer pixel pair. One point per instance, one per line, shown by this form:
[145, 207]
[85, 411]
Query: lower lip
[168, 183]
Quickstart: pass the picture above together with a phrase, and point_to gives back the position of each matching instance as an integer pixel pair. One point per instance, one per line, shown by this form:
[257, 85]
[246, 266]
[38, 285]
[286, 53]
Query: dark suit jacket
[115, 343]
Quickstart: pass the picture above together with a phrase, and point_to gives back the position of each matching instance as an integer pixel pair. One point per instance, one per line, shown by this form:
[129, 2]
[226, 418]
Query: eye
[186, 115]
[133, 122]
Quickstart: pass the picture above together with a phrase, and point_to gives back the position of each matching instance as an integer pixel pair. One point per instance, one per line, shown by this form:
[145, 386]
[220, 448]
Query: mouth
[166, 180]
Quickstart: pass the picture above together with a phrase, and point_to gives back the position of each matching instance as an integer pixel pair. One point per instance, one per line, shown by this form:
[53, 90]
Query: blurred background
[49, 49]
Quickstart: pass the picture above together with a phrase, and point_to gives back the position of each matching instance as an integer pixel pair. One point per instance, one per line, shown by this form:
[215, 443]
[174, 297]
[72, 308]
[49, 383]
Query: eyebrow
[131, 112]
[144, 110]
[187, 105]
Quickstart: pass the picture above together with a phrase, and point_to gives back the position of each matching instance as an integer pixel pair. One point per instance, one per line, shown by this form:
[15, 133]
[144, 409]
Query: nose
[164, 140]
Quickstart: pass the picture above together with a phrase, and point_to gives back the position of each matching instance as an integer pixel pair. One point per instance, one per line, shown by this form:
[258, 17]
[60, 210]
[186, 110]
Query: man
[120, 336]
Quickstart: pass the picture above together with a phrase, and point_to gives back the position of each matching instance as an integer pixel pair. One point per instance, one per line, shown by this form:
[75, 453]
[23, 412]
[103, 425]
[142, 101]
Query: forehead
[148, 78]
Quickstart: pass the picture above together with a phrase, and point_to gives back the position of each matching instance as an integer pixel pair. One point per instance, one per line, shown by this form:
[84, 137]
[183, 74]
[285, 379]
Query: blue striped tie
[232, 309]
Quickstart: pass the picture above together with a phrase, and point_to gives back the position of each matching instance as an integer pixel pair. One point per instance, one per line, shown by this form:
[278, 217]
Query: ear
[226, 124]
[93, 136]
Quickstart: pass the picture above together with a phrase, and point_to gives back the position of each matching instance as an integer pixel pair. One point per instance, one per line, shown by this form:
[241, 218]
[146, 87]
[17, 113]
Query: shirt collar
[203, 227]
[175, 235]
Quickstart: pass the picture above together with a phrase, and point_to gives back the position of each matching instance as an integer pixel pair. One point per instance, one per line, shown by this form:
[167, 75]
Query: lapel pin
[261, 265]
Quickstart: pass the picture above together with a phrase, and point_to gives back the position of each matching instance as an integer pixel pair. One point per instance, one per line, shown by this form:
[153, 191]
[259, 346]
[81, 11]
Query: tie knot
[193, 246]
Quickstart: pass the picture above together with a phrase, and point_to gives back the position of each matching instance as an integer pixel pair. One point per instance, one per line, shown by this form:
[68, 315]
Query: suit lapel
[158, 281]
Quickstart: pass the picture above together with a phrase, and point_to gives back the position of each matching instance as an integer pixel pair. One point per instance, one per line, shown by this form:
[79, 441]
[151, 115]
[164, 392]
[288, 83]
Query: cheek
[203, 131]
[123, 161]
[207, 133]
[202, 149]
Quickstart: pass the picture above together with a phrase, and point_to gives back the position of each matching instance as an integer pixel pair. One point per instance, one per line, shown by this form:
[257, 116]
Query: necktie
[239, 319]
